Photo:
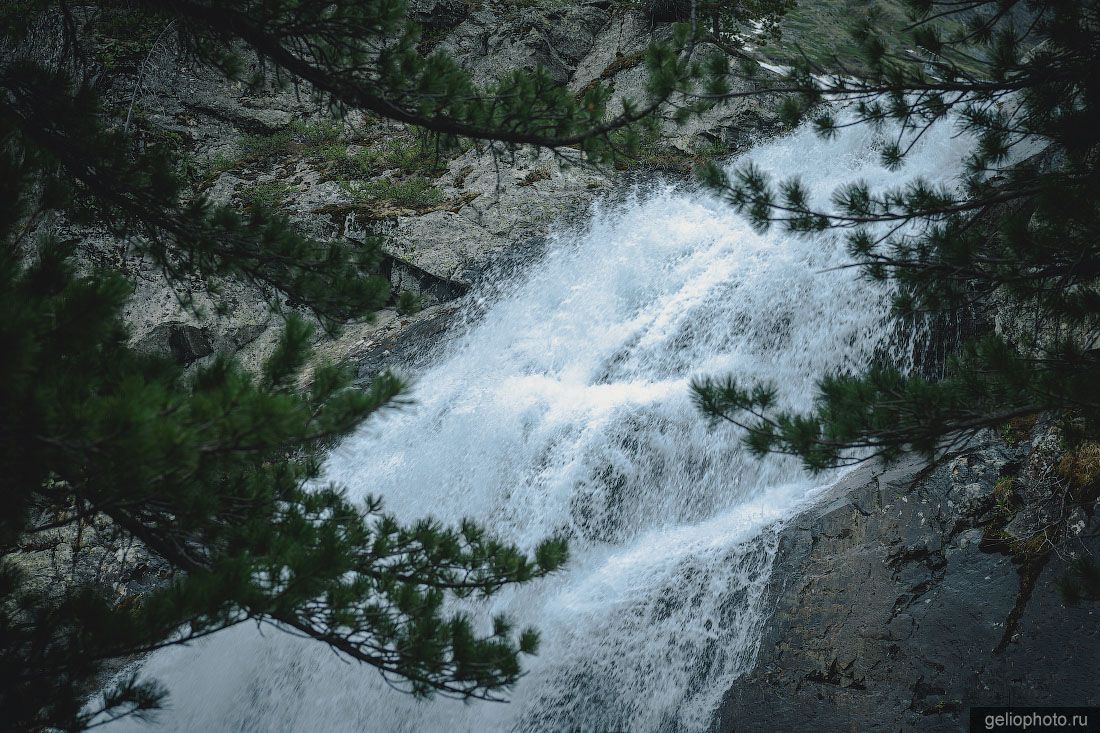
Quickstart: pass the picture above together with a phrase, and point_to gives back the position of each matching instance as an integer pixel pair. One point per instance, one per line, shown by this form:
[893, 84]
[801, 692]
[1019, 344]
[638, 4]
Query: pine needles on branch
[1018, 234]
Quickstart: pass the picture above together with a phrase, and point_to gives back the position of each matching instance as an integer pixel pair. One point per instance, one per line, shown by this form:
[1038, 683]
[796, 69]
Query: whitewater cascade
[564, 407]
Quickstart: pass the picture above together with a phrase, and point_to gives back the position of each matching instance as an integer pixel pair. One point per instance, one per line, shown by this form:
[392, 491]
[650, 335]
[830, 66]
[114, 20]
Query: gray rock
[237, 337]
[890, 613]
[182, 342]
[495, 203]
[440, 13]
[494, 41]
[409, 348]
[509, 209]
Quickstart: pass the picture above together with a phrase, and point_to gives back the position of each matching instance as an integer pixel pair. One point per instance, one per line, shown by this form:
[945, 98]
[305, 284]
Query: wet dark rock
[667, 11]
[237, 337]
[405, 276]
[410, 348]
[891, 609]
[438, 13]
[181, 342]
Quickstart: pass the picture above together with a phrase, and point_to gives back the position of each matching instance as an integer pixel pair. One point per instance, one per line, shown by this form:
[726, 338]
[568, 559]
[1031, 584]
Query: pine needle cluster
[1020, 234]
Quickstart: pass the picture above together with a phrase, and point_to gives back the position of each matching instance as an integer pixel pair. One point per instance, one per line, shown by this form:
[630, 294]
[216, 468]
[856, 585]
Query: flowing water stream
[564, 407]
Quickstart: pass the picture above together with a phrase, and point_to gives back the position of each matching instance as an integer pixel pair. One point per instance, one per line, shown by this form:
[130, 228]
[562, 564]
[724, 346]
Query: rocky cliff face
[444, 224]
[911, 594]
[470, 211]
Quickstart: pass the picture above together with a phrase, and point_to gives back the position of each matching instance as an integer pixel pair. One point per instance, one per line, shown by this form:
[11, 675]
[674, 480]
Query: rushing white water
[564, 407]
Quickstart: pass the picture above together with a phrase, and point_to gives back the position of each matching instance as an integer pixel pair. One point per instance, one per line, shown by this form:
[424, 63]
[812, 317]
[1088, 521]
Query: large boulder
[183, 343]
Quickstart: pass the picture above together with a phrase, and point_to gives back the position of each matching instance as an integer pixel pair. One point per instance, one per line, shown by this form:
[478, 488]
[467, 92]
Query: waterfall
[563, 407]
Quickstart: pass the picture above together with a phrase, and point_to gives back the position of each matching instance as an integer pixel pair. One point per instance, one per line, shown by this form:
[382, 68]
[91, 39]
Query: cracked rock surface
[891, 607]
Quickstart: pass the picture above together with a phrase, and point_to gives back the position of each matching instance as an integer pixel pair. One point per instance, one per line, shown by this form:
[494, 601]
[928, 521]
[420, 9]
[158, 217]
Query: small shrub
[1018, 429]
[1032, 548]
[623, 62]
[534, 176]
[122, 38]
[317, 134]
[712, 149]
[408, 156]
[268, 196]
[298, 136]
[408, 303]
[217, 165]
[1081, 466]
[259, 147]
[1080, 581]
[1004, 493]
[411, 192]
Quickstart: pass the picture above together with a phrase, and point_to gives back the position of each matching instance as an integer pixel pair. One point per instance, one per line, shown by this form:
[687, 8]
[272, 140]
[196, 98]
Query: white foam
[565, 408]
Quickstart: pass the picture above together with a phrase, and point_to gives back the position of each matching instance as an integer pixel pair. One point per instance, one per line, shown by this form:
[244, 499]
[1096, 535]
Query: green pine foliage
[1081, 582]
[747, 21]
[365, 56]
[214, 471]
[52, 117]
[1022, 235]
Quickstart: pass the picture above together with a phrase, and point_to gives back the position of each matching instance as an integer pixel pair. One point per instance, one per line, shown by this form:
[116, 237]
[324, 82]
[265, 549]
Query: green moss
[215, 166]
[1004, 492]
[644, 149]
[1033, 548]
[1080, 467]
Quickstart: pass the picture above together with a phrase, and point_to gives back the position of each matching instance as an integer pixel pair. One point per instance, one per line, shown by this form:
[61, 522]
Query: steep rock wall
[911, 594]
